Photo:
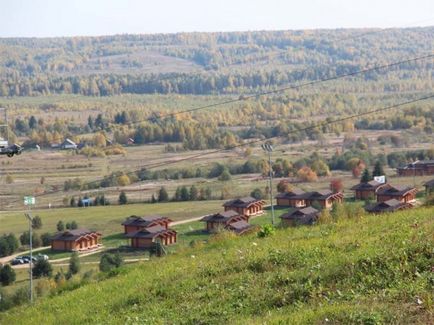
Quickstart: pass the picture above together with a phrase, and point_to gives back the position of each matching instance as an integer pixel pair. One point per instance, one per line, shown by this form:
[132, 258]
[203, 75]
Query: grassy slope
[355, 271]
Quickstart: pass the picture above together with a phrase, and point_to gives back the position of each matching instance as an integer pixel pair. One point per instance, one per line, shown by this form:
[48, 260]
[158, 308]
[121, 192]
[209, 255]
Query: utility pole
[29, 201]
[269, 149]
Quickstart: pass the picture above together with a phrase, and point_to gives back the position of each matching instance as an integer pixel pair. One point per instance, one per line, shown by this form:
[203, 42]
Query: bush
[266, 231]
[25, 239]
[7, 275]
[8, 245]
[225, 176]
[74, 225]
[37, 222]
[123, 198]
[110, 261]
[74, 263]
[60, 226]
[257, 194]
[42, 268]
[46, 239]
[307, 175]
[163, 196]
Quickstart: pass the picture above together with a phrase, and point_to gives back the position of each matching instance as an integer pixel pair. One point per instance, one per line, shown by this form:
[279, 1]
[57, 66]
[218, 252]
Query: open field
[106, 219]
[346, 272]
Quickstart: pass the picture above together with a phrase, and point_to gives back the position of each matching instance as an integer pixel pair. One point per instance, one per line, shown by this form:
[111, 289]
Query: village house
[417, 168]
[303, 216]
[324, 198]
[144, 232]
[135, 223]
[247, 206]
[299, 199]
[294, 198]
[429, 187]
[229, 220]
[149, 236]
[405, 194]
[368, 190]
[76, 240]
[68, 144]
[391, 205]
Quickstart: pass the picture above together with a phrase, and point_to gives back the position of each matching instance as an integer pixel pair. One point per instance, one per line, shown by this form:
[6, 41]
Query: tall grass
[373, 270]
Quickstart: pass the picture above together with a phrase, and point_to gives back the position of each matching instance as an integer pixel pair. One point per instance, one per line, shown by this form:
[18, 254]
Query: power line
[292, 87]
[311, 127]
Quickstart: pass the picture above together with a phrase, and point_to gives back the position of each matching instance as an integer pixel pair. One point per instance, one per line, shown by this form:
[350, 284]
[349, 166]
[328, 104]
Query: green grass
[366, 271]
[105, 219]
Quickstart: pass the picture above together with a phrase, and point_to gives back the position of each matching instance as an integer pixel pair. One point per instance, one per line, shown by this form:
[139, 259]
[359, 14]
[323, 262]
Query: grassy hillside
[378, 269]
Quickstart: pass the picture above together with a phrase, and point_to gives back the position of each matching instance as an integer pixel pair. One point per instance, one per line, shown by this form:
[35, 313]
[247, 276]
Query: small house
[368, 190]
[223, 220]
[417, 168]
[68, 144]
[76, 240]
[391, 205]
[295, 198]
[247, 206]
[324, 198]
[302, 216]
[148, 237]
[429, 187]
[135, 223]
[403, 194]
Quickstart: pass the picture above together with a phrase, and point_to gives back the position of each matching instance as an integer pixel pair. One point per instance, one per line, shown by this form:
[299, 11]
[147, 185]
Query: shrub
[123, 198]
[8, 244]
[46, 239]
[307, 175]
[73, 225]
[74, 263]
[163, 196]
[225, 176]
[25, 239]
[266, 231]
[110, 261]
[37, 222]
[60, 226]
[42, 268]
[257, 194]
[7, 275]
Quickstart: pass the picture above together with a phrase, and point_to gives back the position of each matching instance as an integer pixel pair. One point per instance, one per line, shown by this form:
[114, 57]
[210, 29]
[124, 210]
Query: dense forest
[212, 63]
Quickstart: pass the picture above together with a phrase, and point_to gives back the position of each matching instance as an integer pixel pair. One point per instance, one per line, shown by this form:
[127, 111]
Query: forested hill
[208, 63]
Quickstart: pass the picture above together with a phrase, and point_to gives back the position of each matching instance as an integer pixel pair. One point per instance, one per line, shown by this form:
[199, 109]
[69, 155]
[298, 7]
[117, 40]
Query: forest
[211, 63]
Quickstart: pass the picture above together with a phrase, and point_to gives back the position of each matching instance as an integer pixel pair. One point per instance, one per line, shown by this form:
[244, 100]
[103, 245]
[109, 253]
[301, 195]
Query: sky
[48, 18]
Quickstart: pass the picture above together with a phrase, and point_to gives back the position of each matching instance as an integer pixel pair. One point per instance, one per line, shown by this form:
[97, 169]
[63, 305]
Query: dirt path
[181, 222]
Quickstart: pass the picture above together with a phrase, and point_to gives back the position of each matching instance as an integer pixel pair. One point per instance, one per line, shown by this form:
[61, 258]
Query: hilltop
[370, 270]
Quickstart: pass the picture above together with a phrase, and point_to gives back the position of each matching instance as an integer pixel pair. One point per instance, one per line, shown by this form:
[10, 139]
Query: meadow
[367, 270]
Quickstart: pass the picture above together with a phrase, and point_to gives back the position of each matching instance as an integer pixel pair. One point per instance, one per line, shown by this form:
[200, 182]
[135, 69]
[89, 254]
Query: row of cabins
[144, 232]
[417, 168]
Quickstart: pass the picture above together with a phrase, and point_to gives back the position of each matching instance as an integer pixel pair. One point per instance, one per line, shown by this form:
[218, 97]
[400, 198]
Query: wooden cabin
[76, 240]
[325, 198]
[147, 237]
[223, 220]
[247, 206]
[429, 187]
[240, 227]
[417, 168]
[135, 223]
[391, 205]
[368, 190]
[295, 198]
[302, 216]
[403, 194]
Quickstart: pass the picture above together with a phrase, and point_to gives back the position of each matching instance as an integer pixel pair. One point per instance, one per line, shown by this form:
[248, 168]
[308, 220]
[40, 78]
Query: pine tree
[378, 169]
[123, 198]
[7, 275]
[74, 263]
[366, 176]
[163, 196]
[60, 226]
[194, 193]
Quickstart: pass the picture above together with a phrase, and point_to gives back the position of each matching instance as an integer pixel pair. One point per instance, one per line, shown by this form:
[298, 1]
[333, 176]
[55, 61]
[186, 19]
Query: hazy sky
[101, 17]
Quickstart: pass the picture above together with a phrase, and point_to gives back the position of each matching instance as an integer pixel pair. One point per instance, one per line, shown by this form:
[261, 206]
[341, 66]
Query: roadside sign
[380, 179]
[29, 200]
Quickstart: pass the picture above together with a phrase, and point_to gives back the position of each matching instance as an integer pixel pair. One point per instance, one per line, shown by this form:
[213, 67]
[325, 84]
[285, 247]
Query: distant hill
[367, 270]
[204, 63]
